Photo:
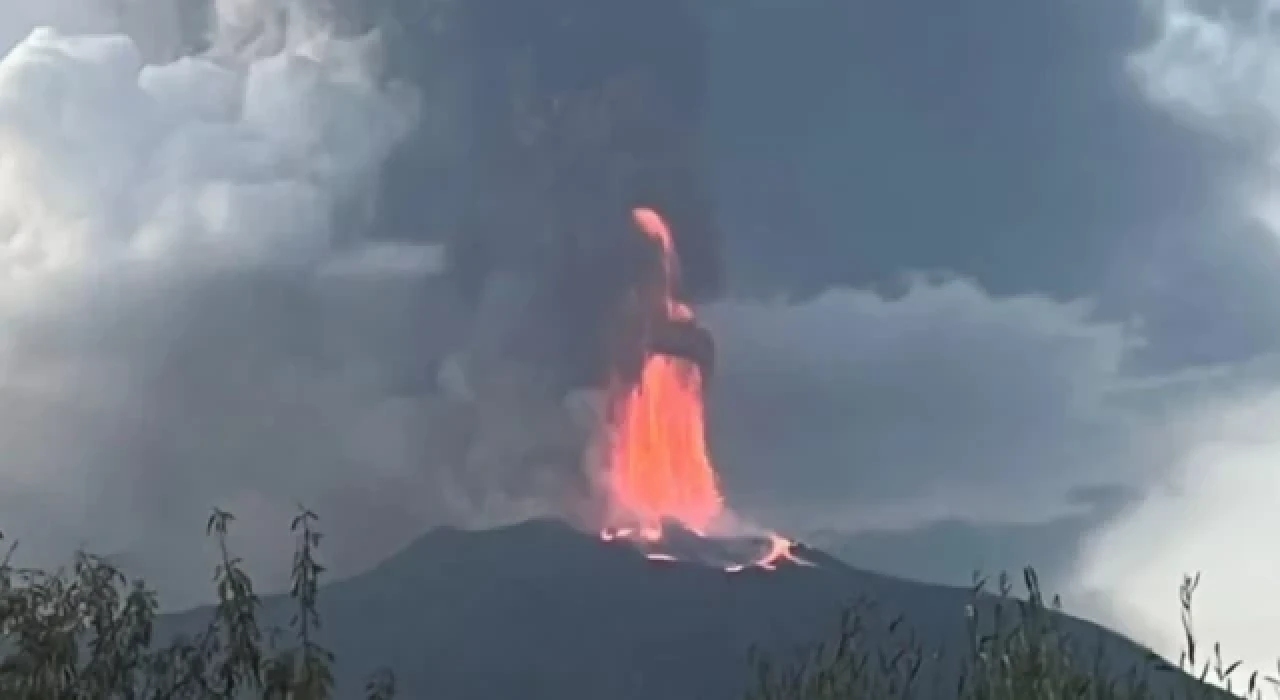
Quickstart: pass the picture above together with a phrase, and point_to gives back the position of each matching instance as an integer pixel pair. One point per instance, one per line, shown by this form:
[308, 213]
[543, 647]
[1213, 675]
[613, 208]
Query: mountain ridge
[540, 611]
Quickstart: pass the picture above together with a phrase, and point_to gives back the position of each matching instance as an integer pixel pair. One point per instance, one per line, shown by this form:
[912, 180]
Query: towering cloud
[191, 317]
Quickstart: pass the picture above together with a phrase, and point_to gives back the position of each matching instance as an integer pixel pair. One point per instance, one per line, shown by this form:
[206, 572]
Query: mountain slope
[538, 611]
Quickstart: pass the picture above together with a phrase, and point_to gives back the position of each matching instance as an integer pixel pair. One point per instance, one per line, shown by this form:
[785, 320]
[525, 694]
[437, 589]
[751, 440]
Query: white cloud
[1213, 514]
[185, 318]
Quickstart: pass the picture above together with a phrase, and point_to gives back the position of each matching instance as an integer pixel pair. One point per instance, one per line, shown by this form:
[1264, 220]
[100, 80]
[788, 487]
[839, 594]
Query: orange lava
[779, 551]
[658, 464]
[659, 469]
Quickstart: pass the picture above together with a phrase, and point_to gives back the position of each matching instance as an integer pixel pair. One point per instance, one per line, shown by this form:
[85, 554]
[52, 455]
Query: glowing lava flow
[659, 469]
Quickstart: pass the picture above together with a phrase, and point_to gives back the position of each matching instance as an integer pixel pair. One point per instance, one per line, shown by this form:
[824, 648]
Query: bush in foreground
[1020, 652]
[87, 634]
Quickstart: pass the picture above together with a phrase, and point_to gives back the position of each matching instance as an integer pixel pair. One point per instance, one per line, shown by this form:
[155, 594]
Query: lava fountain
[662, 490]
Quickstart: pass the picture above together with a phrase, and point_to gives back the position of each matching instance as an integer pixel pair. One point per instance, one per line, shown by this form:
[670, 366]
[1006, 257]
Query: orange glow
[779, 550]
[659, 469]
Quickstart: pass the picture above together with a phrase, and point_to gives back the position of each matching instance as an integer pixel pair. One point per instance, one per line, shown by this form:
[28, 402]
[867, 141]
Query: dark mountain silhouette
[539, 611]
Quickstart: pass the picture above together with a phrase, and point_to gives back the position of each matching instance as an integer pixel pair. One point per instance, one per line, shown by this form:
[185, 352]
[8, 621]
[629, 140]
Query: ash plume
[563, 150]
[542, 250]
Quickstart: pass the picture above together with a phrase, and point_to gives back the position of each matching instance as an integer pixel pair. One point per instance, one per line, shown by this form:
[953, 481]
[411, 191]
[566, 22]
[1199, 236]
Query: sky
[1002, 281]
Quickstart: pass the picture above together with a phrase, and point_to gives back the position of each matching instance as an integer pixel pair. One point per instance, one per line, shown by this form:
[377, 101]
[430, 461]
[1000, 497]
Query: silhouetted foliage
[87, 634]
[1019, 651]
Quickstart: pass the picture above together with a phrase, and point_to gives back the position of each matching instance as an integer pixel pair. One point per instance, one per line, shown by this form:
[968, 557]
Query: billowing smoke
[544, 253]
[563, 149]
[191, 314]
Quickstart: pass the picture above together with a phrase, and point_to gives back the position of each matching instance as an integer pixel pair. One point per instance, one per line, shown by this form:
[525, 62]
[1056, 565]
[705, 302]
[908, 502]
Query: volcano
[659, 481]
[541, 611]
[660, 595]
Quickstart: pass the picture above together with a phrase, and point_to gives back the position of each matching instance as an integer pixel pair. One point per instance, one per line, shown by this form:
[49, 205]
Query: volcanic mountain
[540, 611]
[659, 597]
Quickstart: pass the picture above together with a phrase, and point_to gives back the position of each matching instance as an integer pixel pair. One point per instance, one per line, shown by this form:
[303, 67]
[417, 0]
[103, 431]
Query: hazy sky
[1003, 282]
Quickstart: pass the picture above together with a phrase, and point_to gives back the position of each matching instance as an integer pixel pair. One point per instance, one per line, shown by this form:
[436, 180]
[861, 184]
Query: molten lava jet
[660, 481]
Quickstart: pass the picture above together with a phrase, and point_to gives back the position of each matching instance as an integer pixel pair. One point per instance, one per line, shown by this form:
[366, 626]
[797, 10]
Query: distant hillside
[538, 611]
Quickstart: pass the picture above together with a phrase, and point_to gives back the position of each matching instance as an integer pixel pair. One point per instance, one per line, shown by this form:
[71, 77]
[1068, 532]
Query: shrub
[1020, 652]
[87, 634]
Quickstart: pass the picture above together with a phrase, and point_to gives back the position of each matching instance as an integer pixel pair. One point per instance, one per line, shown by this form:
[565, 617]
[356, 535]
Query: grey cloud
[944, 401]
[952, 550]
[1034, 165]
[948, 421]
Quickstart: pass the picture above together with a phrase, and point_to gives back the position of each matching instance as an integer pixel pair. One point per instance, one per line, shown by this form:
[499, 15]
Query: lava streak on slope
[662, 489]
